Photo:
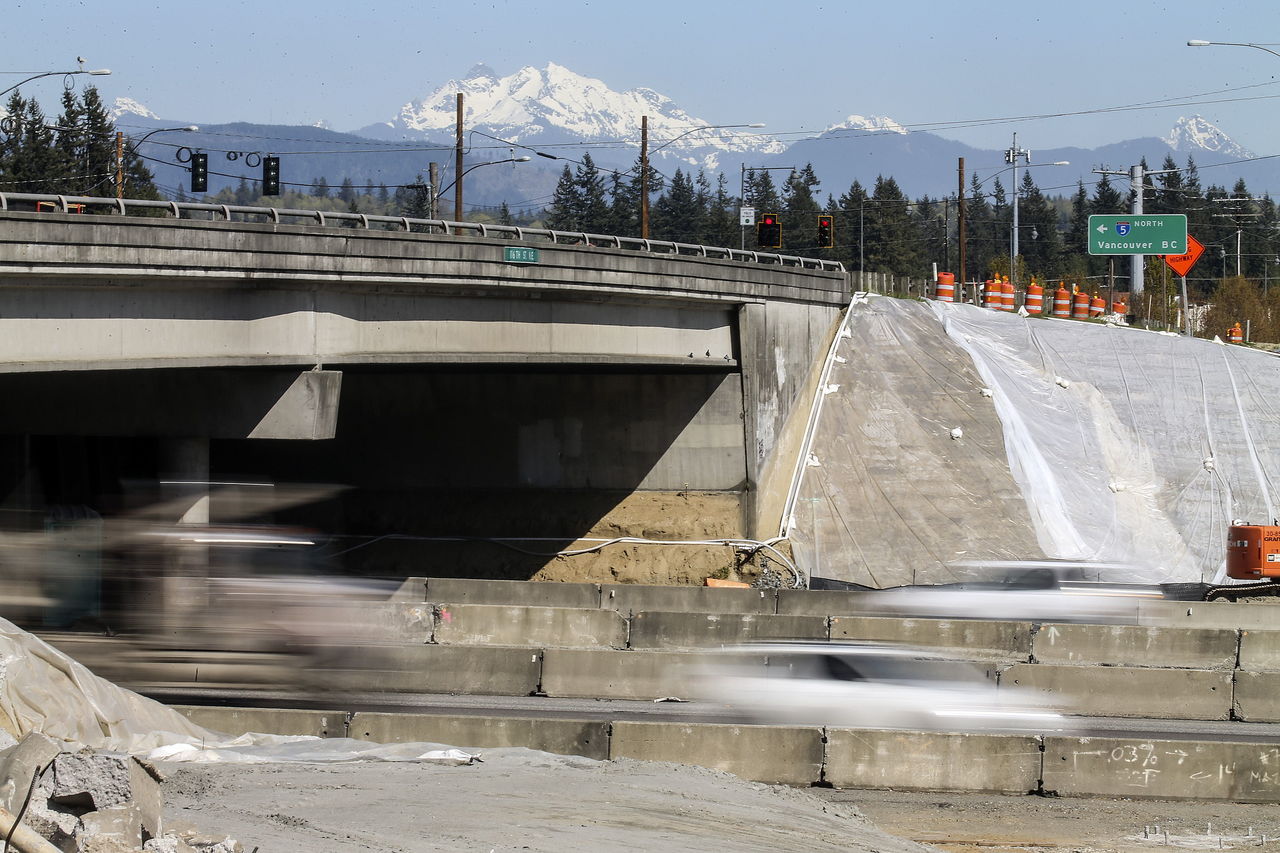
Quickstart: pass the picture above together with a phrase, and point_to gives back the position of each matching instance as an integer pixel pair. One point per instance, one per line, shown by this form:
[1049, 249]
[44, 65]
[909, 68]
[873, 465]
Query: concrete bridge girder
[597, 372]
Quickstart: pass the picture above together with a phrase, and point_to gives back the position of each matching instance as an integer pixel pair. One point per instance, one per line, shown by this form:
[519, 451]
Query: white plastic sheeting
[1130, 446]
[1124, 447]
[43, 690]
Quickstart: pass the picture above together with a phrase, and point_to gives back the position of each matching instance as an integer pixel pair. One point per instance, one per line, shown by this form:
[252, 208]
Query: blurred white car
[870, 685]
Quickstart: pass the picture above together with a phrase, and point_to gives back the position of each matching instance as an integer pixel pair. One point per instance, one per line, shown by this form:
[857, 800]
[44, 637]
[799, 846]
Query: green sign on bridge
[1138, 234]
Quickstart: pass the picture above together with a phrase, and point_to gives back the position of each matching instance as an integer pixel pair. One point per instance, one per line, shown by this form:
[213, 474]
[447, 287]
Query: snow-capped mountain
[546, 106]
[129, 107]
[1194, 134]
[870, 124]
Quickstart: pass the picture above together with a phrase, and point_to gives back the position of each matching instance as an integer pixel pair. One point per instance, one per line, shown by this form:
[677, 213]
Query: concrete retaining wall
[495, 670]
[781, 755]
[1260, 650]
[1114, 767]
[927, 761]
[661, 630]
[970, 639]
[588, 738]
[844, 758]
[1130, 645]
[603, 674]
[275, 721]
[1257, 696]
[634, 598]
[466, 591]
[1113, 691]
[495, 624]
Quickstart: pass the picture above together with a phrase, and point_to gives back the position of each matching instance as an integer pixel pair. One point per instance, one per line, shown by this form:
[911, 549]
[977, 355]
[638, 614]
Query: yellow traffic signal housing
[769, 231]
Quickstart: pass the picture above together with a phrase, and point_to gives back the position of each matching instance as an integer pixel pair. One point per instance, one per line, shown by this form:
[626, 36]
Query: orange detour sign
[1182, 264]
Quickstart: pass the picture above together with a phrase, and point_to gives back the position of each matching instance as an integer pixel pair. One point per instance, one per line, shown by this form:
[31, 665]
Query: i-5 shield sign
[1138, 234]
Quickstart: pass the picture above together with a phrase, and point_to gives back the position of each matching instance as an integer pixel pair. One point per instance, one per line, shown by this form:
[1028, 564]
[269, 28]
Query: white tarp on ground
[43, 690]
[1125, 446]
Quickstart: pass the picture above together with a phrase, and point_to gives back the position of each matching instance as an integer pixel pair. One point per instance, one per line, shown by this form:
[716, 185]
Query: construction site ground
[524, 800]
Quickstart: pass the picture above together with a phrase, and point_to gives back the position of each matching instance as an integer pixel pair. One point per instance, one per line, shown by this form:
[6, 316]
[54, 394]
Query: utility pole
[644, 177]
[1012, 156]
[119, 164]
[1137, 176]
[960, 228]
[433, 205]
[457, 181]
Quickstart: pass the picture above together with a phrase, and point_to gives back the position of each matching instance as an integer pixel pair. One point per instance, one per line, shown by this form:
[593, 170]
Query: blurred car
[869, 685]
[1045, 591]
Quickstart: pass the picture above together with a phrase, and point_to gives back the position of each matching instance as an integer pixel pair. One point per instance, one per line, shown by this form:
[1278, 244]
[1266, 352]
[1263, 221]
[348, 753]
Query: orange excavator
[1253, 554]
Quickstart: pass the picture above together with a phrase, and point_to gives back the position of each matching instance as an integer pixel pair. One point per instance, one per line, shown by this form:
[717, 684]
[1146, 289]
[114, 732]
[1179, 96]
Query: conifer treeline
[882, 230]
[73, 154]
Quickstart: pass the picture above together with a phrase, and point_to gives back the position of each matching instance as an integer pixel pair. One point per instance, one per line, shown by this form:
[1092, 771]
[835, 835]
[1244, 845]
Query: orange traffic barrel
[1235, 334]
[1035, 298]
[1061, 302]
[1008, 296]
[945, 291]
[1080, 306]
[1097, 306]
[1119, 306]
[992, 295]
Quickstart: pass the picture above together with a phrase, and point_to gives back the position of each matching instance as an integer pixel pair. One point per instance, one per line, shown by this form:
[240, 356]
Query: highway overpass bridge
[463, 380]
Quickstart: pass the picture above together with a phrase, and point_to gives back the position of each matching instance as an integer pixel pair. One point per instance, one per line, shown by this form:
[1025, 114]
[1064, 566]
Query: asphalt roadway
[619, 710]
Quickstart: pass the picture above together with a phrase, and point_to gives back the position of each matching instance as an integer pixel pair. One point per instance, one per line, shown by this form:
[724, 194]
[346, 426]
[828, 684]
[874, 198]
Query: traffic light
[199, 172]
[826, 232]
[769, 231]
[271, 176]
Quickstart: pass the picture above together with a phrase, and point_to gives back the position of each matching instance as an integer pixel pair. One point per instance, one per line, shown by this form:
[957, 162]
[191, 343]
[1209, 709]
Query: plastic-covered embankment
[951, 435]
[844, 758]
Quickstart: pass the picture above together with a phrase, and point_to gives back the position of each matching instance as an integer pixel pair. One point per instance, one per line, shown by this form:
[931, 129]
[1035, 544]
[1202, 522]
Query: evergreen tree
[801, 211]
[347, 192]
[1039, 242]
[851, 220]
[1077, 261]
[1106, 198]
[413, 201]
[721, 226]
[563, 213]
[892, 240]
[320, 187]
[504, 215]
[593, 208]
[677, 214]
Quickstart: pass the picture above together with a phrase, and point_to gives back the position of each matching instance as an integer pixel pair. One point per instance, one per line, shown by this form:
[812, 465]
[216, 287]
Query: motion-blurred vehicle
[870, 685]
[1044, 591]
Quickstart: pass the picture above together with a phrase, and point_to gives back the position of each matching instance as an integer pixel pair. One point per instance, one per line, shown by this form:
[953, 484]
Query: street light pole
[97, 72]
[457, 191]
[1013, 155]
[1202, 43]
[457, 182]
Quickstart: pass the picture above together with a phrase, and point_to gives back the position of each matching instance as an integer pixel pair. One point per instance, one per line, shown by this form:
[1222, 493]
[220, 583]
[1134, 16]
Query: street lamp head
[100, 72]
[191, 128]
[756, 124]
[1197, 43]
[1061, 163]
[524, 159]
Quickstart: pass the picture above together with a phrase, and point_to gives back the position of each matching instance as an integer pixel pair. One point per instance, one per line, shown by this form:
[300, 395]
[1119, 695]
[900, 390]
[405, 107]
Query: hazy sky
[797, 66]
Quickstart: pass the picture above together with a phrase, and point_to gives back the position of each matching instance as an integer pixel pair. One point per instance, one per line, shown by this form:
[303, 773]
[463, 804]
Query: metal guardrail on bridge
[122, 207]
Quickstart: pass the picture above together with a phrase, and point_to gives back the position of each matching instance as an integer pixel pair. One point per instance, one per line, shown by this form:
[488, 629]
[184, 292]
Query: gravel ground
[515, 800]
[967, 823]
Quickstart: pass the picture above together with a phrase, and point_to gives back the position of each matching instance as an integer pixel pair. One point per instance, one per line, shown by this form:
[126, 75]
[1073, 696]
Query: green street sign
[521, 255]
[1138, 234]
